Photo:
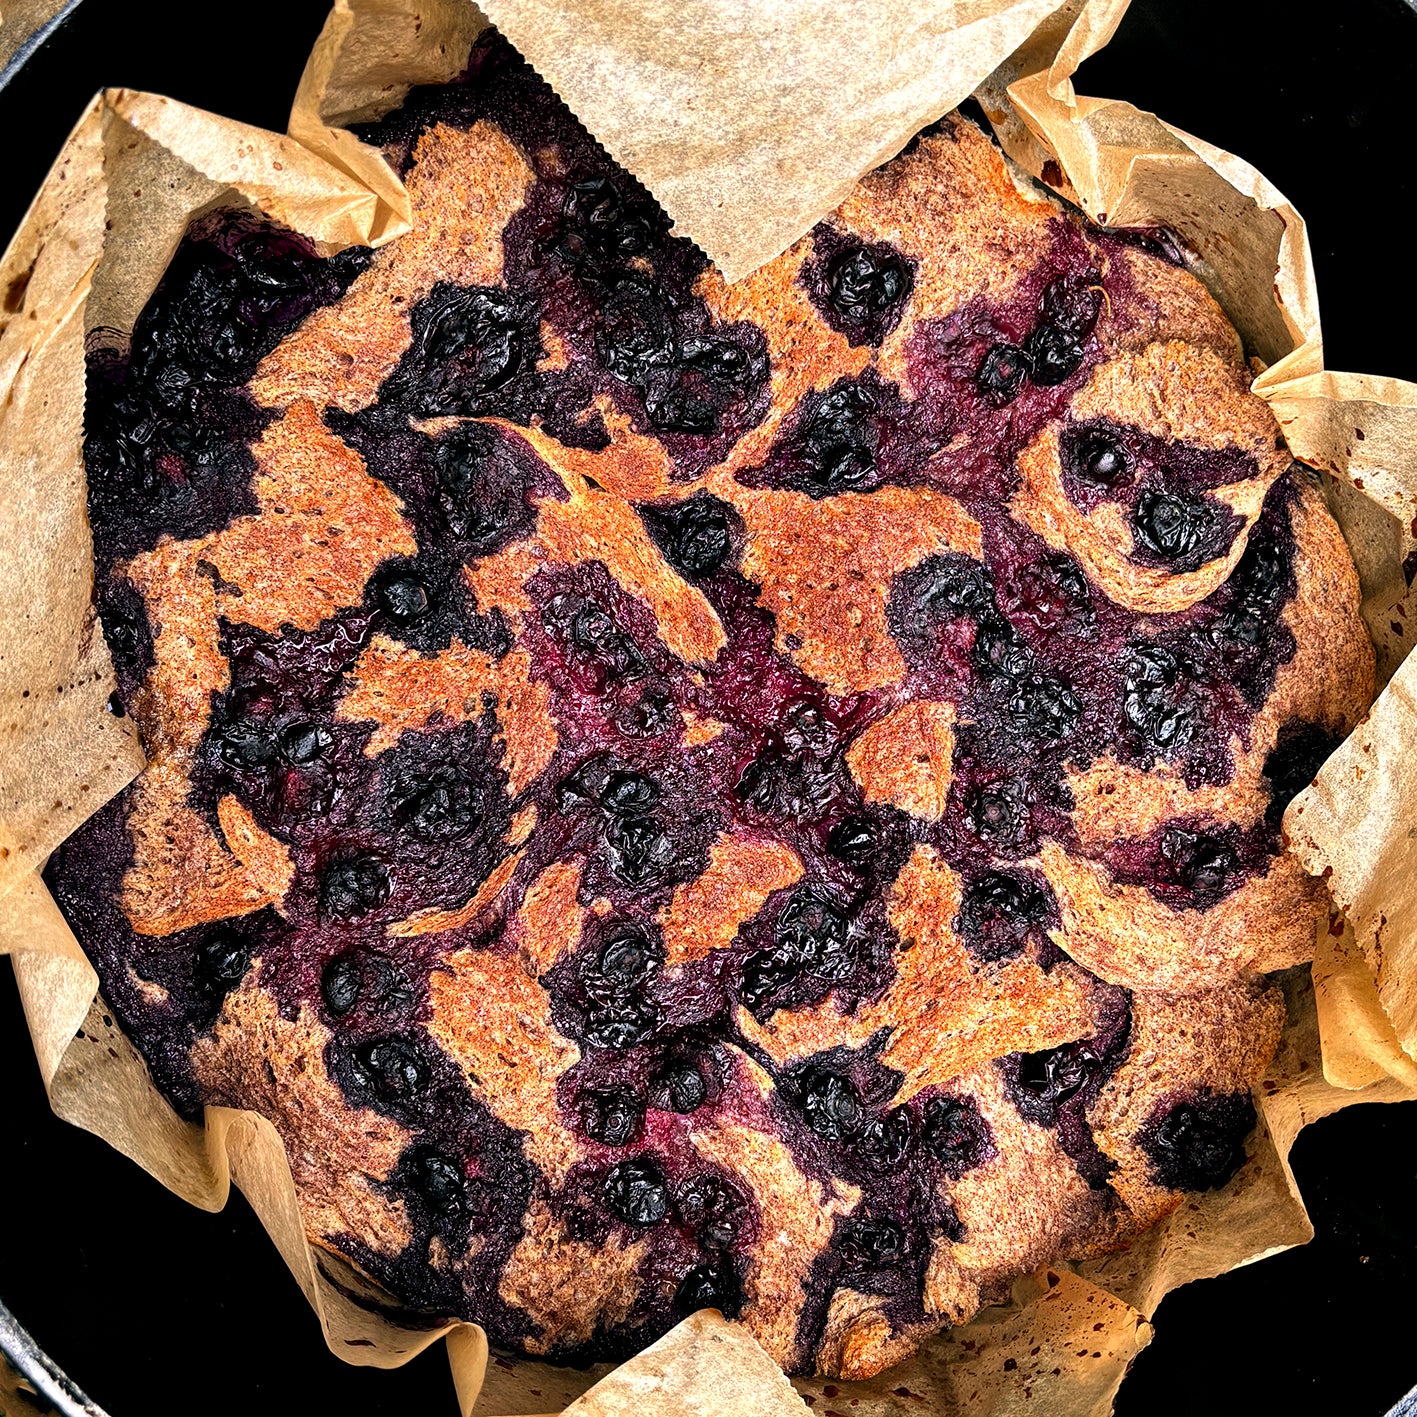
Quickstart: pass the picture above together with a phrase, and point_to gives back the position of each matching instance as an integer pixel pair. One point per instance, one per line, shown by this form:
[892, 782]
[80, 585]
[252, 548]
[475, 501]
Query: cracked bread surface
[676, 795]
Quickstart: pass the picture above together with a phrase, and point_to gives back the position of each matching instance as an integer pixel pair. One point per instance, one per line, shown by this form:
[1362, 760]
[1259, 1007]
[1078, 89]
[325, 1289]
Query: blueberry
[245, 744]
[593, 632]
[627, 957]
[1205, 865]
[706, 1287]
[854, 840]
[474, 502]
[874, 1243]
[1098, 456]
[636, 334]
[694, 535]
[1043, 708]
[404, 599]
[1053, 354]
[717, 359]
[680, 1088]
[998, 651]
[302, 743]
[639, 849]
[1048, 1079]
[886, 1141]
[1002, 372]
[1294, 762]
[437, 1178]
[615, 1118]
[812, 931]
[629, 794]
[863, 282]
[997, 813]
[998, 911]
[621, 1024]
[597, 211]
[1172, 528]
[440, 808]
[830, 1103]
[805, 728]
[1152, 697]
[714, 1210]
[635, 1192]
[390, 1069]
[788, 787]
[354, 884]
[1072, 304]
[341, 983]
[957, 586]
[222, 961]
[838, 438]
[1198, 1145]
[674, 410]
[956, 1135]
[478, 327]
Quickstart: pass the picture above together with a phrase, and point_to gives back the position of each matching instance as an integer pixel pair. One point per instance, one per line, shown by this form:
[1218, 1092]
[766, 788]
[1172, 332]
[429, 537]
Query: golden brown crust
[826, 570]
[402, 691]
[705, 913]
[1172, 391]
[495, 1023]
[257, 1060]
[463, 187]
[906, 757]
[796, 1214]
[567, 1287]
[945, 1013]
[1221, 1041]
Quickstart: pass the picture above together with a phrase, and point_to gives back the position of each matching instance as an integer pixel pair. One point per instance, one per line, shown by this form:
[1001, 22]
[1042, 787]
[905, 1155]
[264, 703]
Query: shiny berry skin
[681, 1088]
[862, 282]
[354, 884]
[694, 536]
[887, 1140]
[999, 910]
[437, 1178]
[1199, 1144]
[404, 599]
[303, 743]
[222, 961]
[627, 957]
[831, 1105]
[874, 1243]
[854, 840]
[1203, 864]
[341, 983]
[956, 1135]
[629, 794]
[1053, 354]
[245, 744]
[713, 1209]
[1002, 372]
[615, 1118]
[634, 1192]
[1153, 702]
[390, 1069]
[1171, 528]
[706, 1287]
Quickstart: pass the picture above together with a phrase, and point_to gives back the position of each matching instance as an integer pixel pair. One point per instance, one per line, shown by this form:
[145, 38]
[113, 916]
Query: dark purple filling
[860, 289]
[1046, 672]
[1197, 1143]
[1055, 1088]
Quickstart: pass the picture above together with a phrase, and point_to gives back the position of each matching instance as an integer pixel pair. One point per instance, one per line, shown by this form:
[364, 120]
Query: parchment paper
[783, 146]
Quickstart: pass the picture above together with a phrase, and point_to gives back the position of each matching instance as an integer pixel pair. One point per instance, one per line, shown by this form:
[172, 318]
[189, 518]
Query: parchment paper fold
[748, 119]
